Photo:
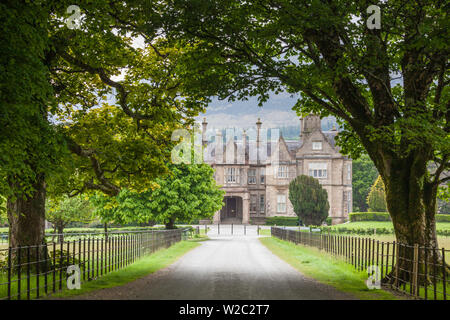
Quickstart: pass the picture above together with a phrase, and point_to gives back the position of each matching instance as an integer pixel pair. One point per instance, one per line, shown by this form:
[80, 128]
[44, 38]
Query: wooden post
[415, 290]
[396, 265]
[444, 275]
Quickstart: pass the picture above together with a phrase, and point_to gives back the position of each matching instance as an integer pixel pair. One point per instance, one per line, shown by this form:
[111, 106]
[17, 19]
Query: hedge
[384, 216]
[282, 221]
[372, 231]
[369, 216]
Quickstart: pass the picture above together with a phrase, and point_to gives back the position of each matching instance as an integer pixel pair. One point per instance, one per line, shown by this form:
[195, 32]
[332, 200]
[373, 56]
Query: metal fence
[57, 237]
[230, 229]
[33, 271]
[420, 272]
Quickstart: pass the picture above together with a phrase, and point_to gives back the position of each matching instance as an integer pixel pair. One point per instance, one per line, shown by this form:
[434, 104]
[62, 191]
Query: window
[231, 175]
[251, 176]
[262, 204]
[347, 201]
[282, 172]
[253, 203]
[349, 171]
[317, 145]
[318, 170]
[262, 176]
[281, 203]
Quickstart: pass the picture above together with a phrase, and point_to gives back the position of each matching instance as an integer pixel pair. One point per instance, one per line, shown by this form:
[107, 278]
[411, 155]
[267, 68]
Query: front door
[231, 207]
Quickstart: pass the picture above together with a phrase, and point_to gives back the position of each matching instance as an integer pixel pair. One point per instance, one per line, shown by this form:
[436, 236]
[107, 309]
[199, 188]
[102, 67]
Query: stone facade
[255, 171]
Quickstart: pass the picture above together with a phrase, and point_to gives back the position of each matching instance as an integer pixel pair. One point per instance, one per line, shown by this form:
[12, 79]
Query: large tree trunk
[411, 201]
[60, 232]
[170, 224]
[26, 216]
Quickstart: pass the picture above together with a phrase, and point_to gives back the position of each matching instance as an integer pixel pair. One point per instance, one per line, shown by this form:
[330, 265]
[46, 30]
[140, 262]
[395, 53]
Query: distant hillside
[293, 132]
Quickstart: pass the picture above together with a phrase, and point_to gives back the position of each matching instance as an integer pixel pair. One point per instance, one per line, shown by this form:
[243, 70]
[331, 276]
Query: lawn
[382, 224]
[444, 242]
[325, 269]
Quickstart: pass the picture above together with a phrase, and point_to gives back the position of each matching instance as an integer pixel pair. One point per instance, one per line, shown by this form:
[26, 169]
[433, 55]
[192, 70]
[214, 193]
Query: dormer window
[317, 145]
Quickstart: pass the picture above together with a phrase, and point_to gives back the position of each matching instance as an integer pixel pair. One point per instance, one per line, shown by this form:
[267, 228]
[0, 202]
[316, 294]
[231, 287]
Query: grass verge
[325, 269]
[147, 265]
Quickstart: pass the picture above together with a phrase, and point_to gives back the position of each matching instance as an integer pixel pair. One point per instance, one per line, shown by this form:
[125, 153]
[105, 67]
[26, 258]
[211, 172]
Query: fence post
[444, 275]
[415, 270]
[37, 270]
[28, 273]
[19, 273]
[426, 272]
[396, 264]
[9, 272]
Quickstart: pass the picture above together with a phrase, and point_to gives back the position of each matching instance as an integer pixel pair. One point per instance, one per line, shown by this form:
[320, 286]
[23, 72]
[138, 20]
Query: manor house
[255, 171]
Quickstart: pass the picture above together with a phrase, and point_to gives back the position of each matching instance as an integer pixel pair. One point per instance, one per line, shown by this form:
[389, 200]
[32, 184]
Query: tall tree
[309, 199]
[61, 84]
[363, 176]
[61, 212]
[388, 87]
[29, 147]
[376, 199]
[188, 193]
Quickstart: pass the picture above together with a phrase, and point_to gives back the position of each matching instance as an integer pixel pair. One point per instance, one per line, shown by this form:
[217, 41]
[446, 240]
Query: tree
[61, 212]
[189, 193]
[83, 79]
[3, 216]
[127, 207]
[387, 87]
[29, 147]
[363, 177]
[309, 199]
[444, 199]
[376, 200]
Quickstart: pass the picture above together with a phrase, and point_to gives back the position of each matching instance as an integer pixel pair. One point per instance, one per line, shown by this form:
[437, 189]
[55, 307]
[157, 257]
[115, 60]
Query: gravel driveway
[225, 267]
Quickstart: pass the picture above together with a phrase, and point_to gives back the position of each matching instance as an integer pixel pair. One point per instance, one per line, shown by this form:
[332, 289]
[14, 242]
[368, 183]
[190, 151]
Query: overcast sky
[276, 112]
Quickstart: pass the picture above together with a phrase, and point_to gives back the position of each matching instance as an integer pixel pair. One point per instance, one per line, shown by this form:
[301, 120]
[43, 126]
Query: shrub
[369, 216]
[309, 199]
[384, 216]
[376, 200]
[443, 218]
[282, 221]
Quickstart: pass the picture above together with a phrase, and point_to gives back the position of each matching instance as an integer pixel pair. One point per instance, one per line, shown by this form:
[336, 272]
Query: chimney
[219, 147]
[301, 126]
[244, 146]
[258, 138]
[310, 124]
[204, 126]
